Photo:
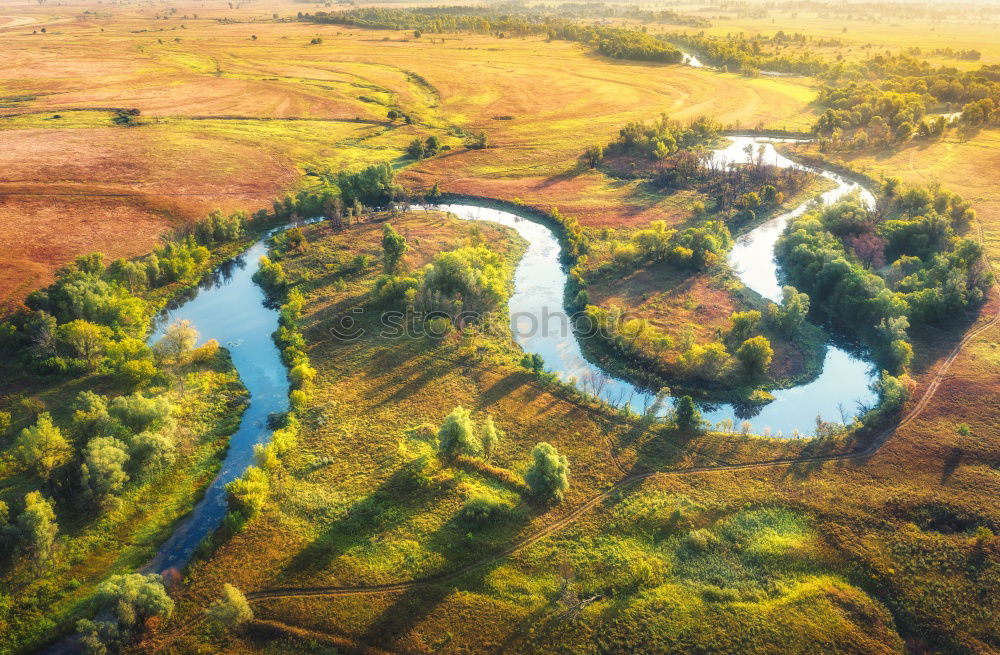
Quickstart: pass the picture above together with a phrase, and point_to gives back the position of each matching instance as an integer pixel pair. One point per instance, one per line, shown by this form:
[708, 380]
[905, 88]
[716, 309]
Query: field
[232, 122]
[367, 535]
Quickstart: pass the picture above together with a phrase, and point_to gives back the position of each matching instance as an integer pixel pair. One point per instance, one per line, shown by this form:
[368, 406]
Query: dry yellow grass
[231, 121]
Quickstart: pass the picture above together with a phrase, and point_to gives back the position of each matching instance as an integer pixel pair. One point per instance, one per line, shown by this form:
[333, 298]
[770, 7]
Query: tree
[87, 340]
[686, 414]
[743, 324]
[490, 437]
[179, 338]
[231, 610]
[533, 362]
[755, 355]
[103, 469]
[594, 155]
[37, 527]
[548, 475]
[432, 146]
[42, 447]
[394, 246]
[416, 149]
[129, 601]
[792, 312]
[457, 436]
[90, 414]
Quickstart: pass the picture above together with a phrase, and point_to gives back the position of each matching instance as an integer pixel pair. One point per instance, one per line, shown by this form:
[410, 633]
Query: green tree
[755, 355]
[686, 414]
[103, 468]
[231, 610]
[457, 435]
[490, 437]
[743, 324]
[42, 447]
[394, 246]
[416, 149]
[90, 415]
[87, 340]
[548, 475]
[129, 601]
[178, 340]
[37, 528]
[792, 312]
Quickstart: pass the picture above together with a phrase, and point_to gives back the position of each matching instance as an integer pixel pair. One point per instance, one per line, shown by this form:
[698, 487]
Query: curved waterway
[229, 307]
[539, 324]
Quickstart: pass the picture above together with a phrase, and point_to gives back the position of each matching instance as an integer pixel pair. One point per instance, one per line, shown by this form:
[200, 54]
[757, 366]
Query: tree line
[614, 42]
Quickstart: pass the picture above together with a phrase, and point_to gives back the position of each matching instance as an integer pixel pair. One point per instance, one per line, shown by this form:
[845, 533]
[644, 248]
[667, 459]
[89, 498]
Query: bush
[231, 610]
[548, 475]
[248, 494]
[483, 511]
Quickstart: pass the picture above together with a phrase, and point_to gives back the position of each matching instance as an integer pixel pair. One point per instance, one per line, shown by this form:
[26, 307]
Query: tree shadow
[396, 500]
[951, 462]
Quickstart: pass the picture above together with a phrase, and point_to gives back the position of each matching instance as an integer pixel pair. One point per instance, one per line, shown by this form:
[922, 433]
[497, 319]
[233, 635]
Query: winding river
[229, 307]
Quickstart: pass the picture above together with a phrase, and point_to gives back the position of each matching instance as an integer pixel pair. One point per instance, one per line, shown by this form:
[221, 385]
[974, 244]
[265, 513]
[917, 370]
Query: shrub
[482, 511]
[248, 494]
[231, 610]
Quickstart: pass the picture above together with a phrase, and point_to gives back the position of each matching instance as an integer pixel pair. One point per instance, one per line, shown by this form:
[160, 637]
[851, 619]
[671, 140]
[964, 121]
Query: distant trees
[548, 475]
[933, 276]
